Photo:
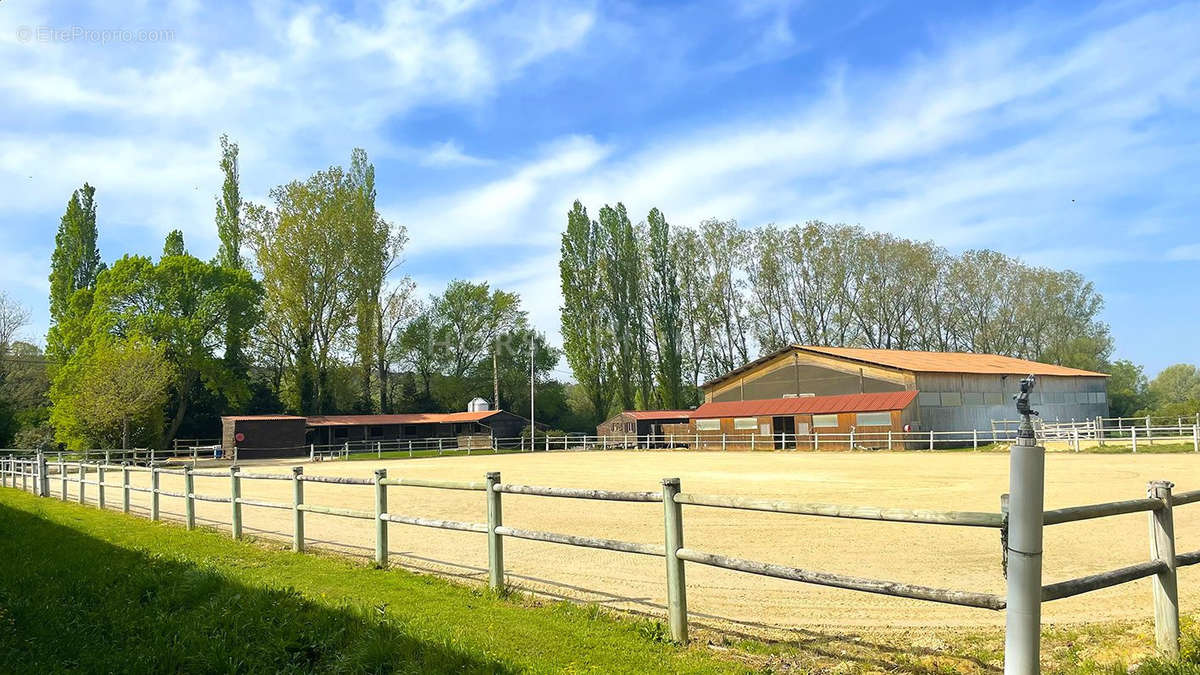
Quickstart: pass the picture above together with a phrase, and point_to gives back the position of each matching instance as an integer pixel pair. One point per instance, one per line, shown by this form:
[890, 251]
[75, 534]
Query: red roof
[658, 414]
[405, 418]
[241, 418]
[815, 405]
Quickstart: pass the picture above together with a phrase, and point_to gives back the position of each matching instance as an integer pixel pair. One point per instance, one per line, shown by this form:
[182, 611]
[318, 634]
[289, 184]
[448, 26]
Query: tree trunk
[125, 433]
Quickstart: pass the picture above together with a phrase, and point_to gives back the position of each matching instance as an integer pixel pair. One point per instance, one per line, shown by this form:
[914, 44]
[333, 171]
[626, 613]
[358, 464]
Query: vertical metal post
[816, 441]
[154, 493]
[1165, 584]
[676, 584]
[44, 474]
[82, 475]
[1196, 437]
[189, 501]
[235, 502]
[974, 439]
[889, 439]
[1027, 463]
[381, 525]
[1133, 435]
[125, 488]
[62, 476]
[723, 447]
[100, 486]
[931, 439]
[297, 514]
[495, 541]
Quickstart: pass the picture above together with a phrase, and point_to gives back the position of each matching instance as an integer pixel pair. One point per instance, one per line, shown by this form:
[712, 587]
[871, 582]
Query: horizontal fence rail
[36, 474]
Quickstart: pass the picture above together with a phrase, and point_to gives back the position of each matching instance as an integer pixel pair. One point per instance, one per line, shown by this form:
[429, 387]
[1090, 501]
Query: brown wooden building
[640, 422]
[796, 422]
[260, 436]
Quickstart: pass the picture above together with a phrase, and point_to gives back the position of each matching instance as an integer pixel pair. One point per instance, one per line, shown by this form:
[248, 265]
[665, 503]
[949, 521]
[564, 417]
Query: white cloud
[450, 153]
[1189, 252]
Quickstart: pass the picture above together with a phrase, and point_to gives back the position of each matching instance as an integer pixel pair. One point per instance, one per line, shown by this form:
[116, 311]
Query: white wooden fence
[38, 475]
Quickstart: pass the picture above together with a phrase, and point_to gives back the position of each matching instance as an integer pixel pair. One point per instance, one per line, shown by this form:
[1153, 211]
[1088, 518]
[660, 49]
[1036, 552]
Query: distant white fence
[40, 476]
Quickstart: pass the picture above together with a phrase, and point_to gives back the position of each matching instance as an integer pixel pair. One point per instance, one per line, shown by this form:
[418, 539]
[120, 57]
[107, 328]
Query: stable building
[955, 391]
[641, 422]
[785, 423]
[262, 436]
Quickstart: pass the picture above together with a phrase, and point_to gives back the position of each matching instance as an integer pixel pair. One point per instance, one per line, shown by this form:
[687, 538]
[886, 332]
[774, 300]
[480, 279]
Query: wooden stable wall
[828, 438]
[804, 373]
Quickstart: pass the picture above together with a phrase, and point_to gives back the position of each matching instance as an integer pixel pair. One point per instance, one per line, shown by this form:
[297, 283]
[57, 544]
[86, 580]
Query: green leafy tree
[622, 271]
[586, 331]
[662, 290]
[74, 265]
[375, 248]
[123, 380]
[183, 304]
[229, 253]
[1127, 388]
[174, 244]
[301, 245]
[1177, 383]
[470, 318]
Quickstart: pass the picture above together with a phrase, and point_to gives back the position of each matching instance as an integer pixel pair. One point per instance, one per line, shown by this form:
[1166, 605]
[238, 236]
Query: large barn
[955, 391]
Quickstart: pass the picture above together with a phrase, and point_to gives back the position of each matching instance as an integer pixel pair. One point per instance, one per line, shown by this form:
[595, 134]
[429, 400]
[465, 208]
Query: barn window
[951, 398]
[873, 419]
[745, 423]
[376, 432]
[993, 398]
[928, 398]
[410, 430]
[708, 425]
[972, 398]
[825, 421]
[1100, 397]
[340, 432]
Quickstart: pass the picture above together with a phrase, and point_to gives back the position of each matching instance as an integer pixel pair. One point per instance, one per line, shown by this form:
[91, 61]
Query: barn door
[784, 428]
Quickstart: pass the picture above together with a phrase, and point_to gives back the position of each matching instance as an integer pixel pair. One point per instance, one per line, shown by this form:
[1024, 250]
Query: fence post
[889, 439]
[974, 439]
[1133, 436]
[723, 441]
[1099, 431]
[1026, 476]
[1165, 583]
[235, 502]
[378, 449]
[154, 493]
[43, 470]
[297, 514]
[125, 488]
[495, 542]
[1196, 437]
[381, 525]
[676, 584]
[312, 452]
[82, 476]
[931, 439]
[100, 486]
[189, 501]
[547, 442]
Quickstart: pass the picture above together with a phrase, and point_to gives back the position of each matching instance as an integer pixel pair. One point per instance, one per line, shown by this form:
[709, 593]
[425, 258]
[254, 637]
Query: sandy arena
[934, 555]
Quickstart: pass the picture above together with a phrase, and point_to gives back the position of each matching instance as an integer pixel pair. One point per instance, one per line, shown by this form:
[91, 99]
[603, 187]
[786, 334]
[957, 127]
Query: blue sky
[1065, 133]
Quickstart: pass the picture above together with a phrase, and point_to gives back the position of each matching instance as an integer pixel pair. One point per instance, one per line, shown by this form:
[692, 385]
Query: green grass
[96, 591]
[92, 591]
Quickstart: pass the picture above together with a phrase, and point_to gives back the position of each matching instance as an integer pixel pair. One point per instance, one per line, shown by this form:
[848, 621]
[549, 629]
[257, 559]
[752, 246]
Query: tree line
[650, 311]
[302, 309]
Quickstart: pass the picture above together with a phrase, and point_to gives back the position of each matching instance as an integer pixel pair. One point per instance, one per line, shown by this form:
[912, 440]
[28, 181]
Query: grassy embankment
[93, 591]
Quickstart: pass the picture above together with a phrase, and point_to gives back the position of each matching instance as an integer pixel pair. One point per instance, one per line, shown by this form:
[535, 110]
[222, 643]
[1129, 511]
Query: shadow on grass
[73, 602]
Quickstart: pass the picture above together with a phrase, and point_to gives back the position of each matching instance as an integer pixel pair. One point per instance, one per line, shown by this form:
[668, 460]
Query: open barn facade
[287, 435]
[955, 391]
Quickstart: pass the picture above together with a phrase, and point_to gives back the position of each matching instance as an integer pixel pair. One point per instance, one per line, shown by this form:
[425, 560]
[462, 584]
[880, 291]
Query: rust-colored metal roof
[921, 362]
[658, 414]
[807, 405]
[950, 362]
[404, 418]
[241, 418]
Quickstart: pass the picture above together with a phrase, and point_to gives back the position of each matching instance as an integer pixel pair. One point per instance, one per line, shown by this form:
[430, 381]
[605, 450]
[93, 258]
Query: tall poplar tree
[74, 265]
[662, 291]
[587, 339]
[229, 253]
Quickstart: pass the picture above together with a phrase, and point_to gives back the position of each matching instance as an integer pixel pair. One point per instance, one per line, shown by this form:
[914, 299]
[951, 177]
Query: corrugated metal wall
[950, 402]
[805, 379]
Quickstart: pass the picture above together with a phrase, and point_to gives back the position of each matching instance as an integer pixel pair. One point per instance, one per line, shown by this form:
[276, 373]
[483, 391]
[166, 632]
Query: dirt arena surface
[934, 555]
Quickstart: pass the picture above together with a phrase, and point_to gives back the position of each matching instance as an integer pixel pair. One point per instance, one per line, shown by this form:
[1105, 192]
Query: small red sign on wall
[239, 437]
